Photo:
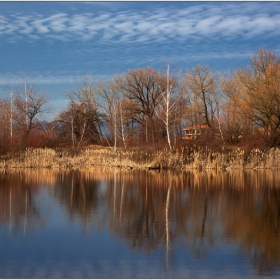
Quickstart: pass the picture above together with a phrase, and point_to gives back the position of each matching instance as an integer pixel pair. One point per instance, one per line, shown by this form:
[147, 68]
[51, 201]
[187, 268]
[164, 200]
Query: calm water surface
[139, 224]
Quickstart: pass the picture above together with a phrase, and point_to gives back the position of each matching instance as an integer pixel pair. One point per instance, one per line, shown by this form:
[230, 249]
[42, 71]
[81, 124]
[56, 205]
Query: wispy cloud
[46, 78]
[240, 19]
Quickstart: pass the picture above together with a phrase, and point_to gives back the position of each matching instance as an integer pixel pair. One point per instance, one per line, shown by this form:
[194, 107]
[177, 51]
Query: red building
[195, 131]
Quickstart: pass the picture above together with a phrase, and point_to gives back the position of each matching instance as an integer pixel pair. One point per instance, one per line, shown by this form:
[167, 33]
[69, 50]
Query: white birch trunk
[167, 110]
[11, 117]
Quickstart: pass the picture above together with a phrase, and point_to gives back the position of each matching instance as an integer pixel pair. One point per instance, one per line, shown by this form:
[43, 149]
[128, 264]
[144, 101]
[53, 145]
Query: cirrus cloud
[243, 20]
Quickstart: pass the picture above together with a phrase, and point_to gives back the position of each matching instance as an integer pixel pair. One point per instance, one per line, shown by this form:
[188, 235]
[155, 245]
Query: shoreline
[180, 160]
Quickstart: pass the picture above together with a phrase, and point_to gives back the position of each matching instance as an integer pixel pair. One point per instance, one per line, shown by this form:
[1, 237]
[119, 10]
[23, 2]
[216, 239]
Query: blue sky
[55, 44]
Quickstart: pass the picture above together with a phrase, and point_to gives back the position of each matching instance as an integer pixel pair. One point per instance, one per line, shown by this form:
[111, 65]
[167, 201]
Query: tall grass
[184, 159]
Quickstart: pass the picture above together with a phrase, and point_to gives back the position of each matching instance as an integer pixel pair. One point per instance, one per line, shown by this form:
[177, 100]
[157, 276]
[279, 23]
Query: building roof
[196, 126]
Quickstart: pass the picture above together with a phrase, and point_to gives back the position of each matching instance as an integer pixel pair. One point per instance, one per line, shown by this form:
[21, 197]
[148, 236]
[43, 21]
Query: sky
[54, 45]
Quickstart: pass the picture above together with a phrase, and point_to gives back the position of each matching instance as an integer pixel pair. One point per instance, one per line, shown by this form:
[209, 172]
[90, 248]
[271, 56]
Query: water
[139, 224]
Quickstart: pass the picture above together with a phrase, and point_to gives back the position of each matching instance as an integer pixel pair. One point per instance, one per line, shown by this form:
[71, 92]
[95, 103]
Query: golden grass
[185, 159]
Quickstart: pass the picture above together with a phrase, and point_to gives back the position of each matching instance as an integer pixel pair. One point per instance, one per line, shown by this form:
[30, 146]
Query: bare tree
[144, 88]
[110, 95]
[255, 92]
[31, 105]
[81, 120]
[11, 113]
[200, 88]
[167, 106]
[124, 120]
[116, 108]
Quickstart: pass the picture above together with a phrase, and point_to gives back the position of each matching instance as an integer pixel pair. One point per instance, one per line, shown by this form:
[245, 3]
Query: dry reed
[185, 159]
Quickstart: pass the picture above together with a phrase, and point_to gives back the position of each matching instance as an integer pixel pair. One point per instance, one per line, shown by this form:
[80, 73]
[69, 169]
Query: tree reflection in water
[150, 210]
[17, 204]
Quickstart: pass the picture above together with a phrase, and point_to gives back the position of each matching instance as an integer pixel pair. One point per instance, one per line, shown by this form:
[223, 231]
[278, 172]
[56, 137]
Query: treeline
[149, 108]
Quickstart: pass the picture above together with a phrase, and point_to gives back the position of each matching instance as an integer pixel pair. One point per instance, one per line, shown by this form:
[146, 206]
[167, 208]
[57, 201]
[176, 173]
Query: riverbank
[184, 159]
